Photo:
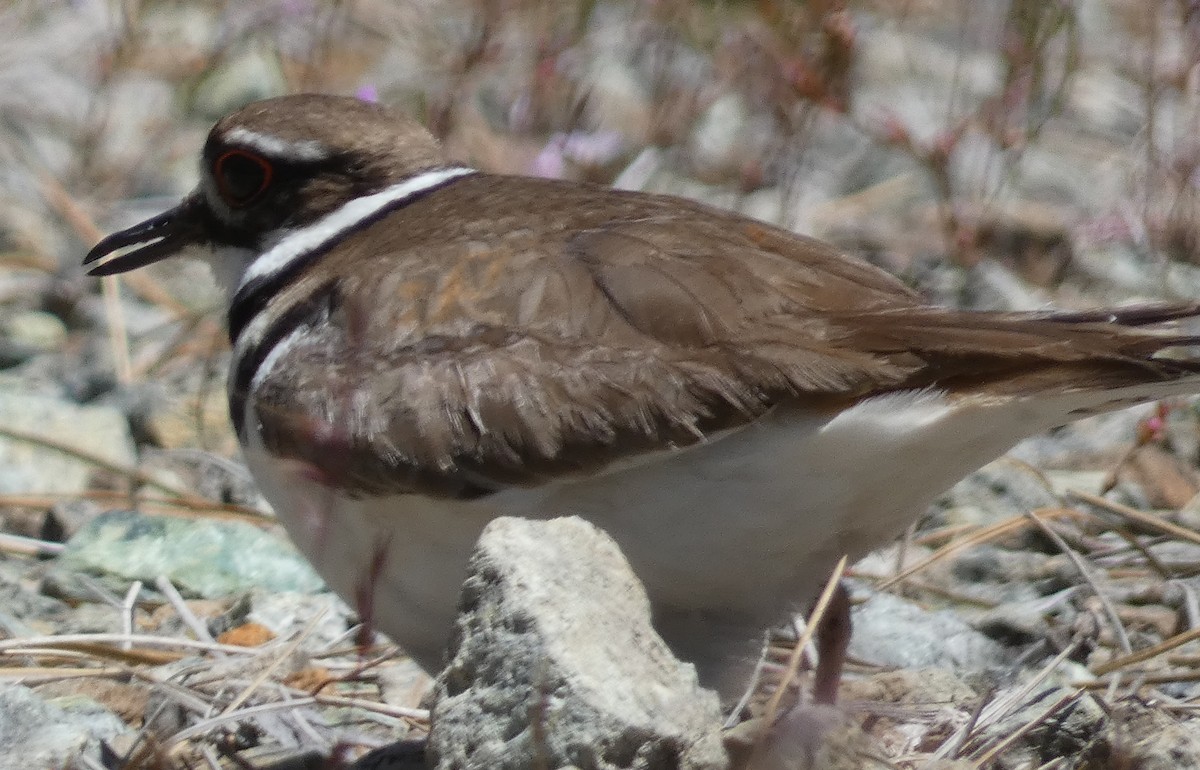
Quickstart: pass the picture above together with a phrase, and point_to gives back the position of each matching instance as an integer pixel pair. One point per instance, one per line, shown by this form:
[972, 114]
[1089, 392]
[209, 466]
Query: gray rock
[1096, 442]
[554, 663]
[21, 605]
[27, 467]
[1065, 482]
[997, 491]
[37, 733]
[202, 557]
[891, 631]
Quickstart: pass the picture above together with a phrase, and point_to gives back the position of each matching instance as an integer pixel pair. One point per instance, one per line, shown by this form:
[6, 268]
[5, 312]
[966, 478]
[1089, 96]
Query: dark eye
[241, 177]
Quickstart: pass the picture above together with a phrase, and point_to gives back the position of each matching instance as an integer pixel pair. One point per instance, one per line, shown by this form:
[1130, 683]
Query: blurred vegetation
[943, 97]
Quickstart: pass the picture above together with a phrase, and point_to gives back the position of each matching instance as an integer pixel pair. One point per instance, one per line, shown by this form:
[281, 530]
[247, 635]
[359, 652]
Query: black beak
[157, 238]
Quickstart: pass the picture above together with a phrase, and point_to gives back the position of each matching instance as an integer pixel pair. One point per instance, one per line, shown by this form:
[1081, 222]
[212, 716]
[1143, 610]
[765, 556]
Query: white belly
[726, 536]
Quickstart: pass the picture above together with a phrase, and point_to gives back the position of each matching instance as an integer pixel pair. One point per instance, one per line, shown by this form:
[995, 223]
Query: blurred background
[1035, 135]
[998, 154]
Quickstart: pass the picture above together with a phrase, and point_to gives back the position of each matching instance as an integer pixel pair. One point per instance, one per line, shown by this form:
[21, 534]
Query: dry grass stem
[1143, 680]
[167, 589]
[128, 607]
[1132, 514]
[165, 505]
[1148, 653]
[1086, 573]
[29, 546]
[101, 644]
[280, 658]
[132, 474]
[1043, 716]
[45, 673]
[984, 535]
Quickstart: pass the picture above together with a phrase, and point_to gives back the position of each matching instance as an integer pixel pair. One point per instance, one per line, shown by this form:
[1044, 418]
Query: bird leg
[832, 640]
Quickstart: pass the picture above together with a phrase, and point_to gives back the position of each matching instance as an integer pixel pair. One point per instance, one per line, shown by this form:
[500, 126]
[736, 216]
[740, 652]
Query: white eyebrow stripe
[304, 150]
[304, 240]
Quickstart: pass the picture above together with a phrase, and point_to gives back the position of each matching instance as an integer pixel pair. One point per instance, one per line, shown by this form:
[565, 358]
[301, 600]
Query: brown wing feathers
[794, 315]
[642, 340]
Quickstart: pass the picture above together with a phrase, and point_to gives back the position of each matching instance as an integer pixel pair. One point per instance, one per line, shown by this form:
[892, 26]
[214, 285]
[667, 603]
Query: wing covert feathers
[476, 357]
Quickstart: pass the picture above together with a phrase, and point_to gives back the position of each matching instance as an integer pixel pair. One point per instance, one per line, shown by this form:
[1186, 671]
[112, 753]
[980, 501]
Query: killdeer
[420, 347]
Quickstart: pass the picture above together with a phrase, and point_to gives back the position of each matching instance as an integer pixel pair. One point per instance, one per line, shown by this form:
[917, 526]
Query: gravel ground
[995, 155]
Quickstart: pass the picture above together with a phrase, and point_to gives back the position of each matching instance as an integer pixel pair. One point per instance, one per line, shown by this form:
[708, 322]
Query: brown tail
[1055, 351]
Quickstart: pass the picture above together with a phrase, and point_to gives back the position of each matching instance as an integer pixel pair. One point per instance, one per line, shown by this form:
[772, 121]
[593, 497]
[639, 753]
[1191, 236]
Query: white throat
[227, 265]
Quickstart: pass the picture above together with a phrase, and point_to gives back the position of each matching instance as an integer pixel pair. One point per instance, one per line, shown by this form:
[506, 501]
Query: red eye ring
[241, 177]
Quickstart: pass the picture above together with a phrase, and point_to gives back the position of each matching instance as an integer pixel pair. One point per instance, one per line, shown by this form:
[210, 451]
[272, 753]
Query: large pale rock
[554, 663]
[30, 467]
[204, 558]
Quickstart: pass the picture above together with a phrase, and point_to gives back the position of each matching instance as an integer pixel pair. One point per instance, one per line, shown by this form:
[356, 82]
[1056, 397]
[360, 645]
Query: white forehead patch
[303, 150]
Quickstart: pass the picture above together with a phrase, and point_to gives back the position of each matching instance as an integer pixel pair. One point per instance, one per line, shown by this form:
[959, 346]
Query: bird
[420, 347]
